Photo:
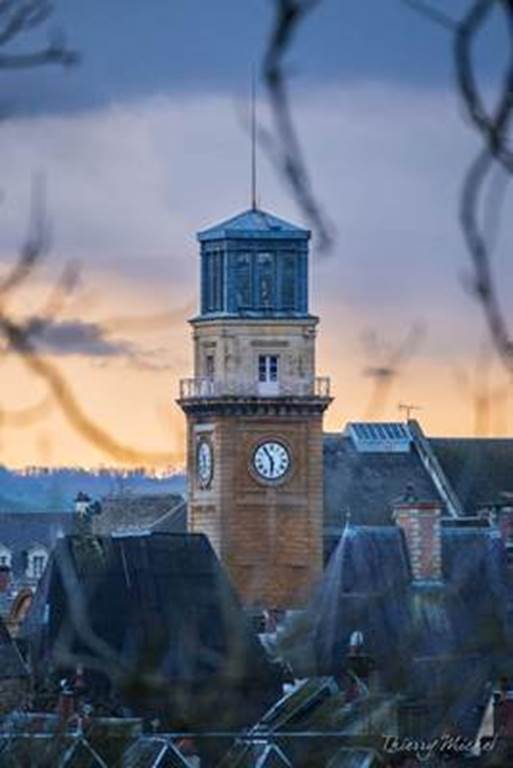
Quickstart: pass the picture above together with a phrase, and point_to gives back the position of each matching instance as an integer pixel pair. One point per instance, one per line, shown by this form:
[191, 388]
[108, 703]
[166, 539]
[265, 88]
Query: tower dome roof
[254, 223]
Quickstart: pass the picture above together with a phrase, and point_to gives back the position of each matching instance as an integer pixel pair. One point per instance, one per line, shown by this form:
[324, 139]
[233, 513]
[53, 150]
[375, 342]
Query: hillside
[53, 490]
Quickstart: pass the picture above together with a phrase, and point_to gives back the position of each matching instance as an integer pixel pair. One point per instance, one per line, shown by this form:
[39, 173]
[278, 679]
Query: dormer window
[5, 556]
[36, 562]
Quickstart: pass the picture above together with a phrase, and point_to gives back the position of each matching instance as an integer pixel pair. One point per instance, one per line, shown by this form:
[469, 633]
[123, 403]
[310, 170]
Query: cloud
[65, 338]
[129, 185]
[75, 337]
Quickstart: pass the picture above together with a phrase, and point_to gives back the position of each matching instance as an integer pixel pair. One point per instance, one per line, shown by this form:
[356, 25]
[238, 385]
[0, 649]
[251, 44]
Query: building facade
[254, 409]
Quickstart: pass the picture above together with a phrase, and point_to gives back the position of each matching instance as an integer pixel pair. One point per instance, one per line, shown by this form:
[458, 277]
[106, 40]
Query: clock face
[204, 463]
[271, 460]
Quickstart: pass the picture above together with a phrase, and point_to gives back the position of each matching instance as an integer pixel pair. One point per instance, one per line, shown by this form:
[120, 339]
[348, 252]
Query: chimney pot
[82, 503]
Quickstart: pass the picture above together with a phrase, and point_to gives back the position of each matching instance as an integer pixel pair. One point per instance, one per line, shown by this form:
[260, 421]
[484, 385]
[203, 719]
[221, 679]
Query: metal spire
[253, 145]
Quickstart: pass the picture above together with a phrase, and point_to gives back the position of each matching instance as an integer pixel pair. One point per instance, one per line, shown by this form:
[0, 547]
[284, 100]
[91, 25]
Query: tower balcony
[208, 389]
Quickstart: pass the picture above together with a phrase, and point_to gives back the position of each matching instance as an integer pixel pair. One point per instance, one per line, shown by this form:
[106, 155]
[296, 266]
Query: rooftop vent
[379, 437]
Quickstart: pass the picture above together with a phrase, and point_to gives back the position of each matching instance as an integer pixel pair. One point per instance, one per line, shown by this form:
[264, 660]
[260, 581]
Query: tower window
[210, 367]
[214, 280]
[265, 280]
[288, 282]
[243, 281]
[267, 368]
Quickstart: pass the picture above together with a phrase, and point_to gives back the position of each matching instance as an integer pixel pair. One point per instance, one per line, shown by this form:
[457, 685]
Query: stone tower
[254, 410]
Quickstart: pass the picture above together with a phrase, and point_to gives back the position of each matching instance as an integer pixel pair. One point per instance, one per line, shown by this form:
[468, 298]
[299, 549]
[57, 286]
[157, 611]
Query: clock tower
[254, 410]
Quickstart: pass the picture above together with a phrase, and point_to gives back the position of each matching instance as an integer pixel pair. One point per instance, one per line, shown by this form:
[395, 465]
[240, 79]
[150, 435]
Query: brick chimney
[85, 510]
[420, 523]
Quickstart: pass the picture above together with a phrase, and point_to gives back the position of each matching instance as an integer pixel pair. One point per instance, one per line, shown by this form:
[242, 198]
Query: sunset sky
[145, 142]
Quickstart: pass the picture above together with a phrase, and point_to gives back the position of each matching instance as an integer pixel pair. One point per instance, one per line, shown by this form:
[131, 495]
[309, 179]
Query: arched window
[5, 556]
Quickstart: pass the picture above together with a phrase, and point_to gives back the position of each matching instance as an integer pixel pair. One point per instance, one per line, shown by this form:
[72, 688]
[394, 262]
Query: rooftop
[176, 615]
[479, 469]
[11, 664]
[423, 637]
[254, 223]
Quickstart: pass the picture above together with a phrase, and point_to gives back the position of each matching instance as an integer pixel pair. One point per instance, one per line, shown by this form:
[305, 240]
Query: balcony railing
[208, 388]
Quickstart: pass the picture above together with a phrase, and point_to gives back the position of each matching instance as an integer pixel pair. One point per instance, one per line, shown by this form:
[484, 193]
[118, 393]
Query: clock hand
[270, 457]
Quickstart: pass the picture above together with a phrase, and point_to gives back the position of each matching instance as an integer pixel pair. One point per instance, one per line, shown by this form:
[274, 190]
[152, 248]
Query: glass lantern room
[254, 265]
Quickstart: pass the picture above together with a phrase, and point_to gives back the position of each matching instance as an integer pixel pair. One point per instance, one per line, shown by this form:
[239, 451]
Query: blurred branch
[25, 417]
[60, 292]
[493, 127]
[433, 14]
[69, 405]
[480, 214]
[285, 144]
[20, 16]
[385, 374]
[19, 338]
[484, 397]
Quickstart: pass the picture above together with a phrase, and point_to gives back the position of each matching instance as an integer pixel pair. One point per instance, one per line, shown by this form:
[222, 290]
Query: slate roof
[11, 663]
[159, 604]
[19, 532]
[254, 224]
[365, 485]
[448, 638]
[479, 469]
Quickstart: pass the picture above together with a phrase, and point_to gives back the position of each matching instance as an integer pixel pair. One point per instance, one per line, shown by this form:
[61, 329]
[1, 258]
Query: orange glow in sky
[129, 185]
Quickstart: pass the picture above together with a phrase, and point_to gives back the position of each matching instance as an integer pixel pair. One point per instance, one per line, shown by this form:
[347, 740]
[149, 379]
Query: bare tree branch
[25, 417]
[20, 16]
[285, 144]
[433, 14]
[493, 127]
[385, 369]
[18, 337]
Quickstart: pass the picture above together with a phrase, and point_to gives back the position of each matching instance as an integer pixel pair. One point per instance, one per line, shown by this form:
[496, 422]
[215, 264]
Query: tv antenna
[408, 409]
